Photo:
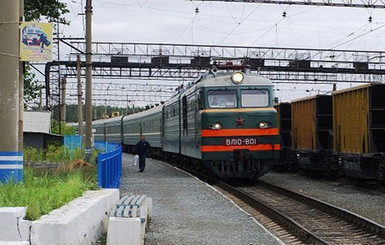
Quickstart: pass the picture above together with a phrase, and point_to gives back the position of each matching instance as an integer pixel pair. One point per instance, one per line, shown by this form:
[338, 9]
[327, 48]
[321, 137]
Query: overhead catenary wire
[201, 22]
[141, 4]
[231, 15]
[359, 36]
[252, 12]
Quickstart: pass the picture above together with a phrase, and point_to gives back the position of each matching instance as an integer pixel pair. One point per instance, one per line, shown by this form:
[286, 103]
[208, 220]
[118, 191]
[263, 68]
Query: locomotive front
[239, 125]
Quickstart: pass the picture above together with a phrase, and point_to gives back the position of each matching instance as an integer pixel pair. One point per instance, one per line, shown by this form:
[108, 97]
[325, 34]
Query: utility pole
[21, 88]
[80, 100]
[59, 73]
[41, 100]
[63, 100]
[88, 142]
[11, 166]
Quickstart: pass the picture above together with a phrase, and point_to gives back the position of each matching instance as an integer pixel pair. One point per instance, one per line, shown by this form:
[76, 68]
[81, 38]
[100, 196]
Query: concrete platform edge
[81, 221]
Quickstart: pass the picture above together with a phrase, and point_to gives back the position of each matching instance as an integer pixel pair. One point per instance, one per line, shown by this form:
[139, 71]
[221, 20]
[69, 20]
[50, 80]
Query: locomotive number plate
[241, 141]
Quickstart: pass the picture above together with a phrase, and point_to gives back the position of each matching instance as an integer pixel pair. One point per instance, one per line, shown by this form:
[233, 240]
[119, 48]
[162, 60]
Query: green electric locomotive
[224, 125]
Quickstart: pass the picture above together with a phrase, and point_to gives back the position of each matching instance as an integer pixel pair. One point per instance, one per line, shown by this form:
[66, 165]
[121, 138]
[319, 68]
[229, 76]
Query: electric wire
[231, 15]
[243, 11]
[358, 36]
[141, 4]
[252, 12]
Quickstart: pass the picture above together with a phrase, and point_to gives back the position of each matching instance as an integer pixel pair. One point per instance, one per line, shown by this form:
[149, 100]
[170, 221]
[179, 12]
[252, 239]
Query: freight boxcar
[286, 158]
[359, 130]
[312, 128]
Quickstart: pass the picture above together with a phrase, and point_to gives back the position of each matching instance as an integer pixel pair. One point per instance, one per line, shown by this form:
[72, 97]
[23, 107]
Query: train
[223, 125]
[339, 134]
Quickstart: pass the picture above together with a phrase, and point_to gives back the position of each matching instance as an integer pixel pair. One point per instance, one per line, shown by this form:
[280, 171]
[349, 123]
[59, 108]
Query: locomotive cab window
[255, 98]
[222, 98]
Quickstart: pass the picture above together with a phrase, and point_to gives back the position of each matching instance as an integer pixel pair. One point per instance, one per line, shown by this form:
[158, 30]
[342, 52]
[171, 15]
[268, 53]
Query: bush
[31, 154]
[55, 154]
[49, 186]
[42, 192]
[65, 129]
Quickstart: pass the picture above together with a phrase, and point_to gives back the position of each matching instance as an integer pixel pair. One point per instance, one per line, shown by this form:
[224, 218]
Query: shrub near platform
[43, 191]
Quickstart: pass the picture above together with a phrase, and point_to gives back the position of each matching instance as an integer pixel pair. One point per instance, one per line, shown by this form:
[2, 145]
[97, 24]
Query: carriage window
[222, 98]
[255, 98]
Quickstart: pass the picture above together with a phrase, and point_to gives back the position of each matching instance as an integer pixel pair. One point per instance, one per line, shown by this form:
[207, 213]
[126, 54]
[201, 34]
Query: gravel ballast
[365, 202]
[188, 211]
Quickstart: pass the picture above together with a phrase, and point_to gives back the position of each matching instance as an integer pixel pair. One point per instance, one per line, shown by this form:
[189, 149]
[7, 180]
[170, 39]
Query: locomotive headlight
[264, 124]
[237, 77]
[216, 126]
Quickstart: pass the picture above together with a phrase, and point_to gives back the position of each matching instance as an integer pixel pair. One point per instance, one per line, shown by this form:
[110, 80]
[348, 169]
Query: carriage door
[184, 115]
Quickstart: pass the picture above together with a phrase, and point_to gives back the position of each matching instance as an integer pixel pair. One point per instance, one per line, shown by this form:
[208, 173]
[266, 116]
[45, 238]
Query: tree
[52, 10]
[31, 89]
[35, 10]
[65, 128]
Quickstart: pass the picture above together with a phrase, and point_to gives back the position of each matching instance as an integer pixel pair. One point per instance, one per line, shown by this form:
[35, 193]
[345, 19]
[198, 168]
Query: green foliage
[98, 111]
[94, 157]
[52, 10]
[45, 189]
[56, 154]
[44, 192]
[31, 154]
[72, 111]
[79, 154]
[65, 129]
[31, 89]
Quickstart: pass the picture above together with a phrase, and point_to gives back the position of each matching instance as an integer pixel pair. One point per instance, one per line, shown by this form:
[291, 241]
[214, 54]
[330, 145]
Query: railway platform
[188, 211]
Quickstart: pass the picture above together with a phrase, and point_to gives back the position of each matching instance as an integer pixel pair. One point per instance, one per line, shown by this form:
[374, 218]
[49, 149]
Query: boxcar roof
[355, 88]
[309, 98]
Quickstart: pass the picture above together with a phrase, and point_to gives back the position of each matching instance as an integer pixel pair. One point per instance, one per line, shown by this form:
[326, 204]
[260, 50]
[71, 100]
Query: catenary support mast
[10, 156]
[80, 100]
[88, 142]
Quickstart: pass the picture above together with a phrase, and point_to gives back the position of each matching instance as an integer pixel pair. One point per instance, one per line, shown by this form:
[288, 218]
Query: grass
[55, 154]
[43, 191]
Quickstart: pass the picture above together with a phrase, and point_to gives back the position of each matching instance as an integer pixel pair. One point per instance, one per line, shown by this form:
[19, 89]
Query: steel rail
[344, 214]
[294, 228]
[283, 219]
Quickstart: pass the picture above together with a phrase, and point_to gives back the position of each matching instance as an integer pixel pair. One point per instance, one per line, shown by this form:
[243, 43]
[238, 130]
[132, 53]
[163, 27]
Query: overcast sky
[223, 23]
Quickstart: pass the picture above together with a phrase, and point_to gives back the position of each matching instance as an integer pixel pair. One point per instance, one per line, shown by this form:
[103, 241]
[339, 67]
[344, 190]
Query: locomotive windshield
[222, 98]
[255, 98]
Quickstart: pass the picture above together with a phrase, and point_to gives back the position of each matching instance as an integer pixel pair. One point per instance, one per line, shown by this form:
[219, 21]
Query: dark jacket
[143, 147]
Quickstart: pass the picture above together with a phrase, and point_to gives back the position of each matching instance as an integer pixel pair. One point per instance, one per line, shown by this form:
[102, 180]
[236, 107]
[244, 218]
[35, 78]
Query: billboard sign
[36, 41]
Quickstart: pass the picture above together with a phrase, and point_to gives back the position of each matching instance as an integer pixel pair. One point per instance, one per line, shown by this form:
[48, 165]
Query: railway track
[298, 219]
[309, 220]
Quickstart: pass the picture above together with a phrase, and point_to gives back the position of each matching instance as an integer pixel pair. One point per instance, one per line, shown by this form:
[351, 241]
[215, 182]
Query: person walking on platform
[143, 148]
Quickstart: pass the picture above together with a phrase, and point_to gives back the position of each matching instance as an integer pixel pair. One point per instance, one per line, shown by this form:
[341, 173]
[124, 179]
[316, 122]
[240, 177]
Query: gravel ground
[187, 211]
[367, 203]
